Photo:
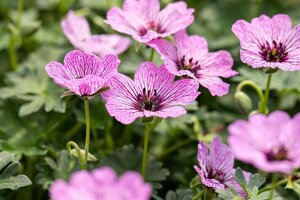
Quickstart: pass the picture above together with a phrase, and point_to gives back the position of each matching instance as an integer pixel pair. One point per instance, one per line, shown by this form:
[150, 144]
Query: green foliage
[129, 158]
[59, 167]
[9, 168]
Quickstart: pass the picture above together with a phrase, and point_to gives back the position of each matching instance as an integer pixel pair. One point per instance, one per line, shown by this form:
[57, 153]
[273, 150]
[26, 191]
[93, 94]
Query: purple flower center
[148, 100]
[189, 64]
[217, 175]
[277, 155]
[276, 52]
[150, 26]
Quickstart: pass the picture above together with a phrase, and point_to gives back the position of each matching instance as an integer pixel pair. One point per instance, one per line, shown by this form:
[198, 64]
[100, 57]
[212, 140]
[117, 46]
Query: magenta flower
[269, 42]
[190, 57]
[101, 184]
[216, 166]
[143, 21]
[82, 73]
[270, 143]
[152, 93]
[77, 30]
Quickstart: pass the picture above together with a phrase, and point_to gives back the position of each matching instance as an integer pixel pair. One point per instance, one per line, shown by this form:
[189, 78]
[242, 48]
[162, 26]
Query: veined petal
[165, 112]
[102, 45]
[221, 158]
[150, 77]
[181, 92]
[175, 17]
[146, 9]
[165, 49]
[190, 46]
[121, 99]
[75, 28]
[217, 64]
[116, 18]
[214, 84]
[86, 86]
[79, 64]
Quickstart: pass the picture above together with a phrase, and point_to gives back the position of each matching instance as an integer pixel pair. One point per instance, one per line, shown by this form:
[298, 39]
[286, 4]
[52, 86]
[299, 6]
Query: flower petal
[118, 21]
[121, 99]
[76, 29]
[79, 64]
[165, 49]
[190, 46]
[175, 17]
[217, 64]
[214, 84]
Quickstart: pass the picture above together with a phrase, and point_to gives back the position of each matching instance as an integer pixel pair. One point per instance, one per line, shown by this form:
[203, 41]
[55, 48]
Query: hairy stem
[266, 96]
[87, 133]
[145, 151]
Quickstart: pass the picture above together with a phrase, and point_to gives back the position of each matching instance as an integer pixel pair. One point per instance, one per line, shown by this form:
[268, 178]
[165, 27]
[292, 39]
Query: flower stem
[151, 55]
[257, 90]
[87, 133]
[274, 180]
[148, 128]
[266, 96]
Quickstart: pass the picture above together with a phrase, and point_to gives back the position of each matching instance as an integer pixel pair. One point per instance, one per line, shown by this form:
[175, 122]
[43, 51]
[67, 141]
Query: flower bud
[243, 101]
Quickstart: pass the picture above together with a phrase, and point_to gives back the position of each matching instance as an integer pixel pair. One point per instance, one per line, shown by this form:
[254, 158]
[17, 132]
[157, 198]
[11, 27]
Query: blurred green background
[36, 124]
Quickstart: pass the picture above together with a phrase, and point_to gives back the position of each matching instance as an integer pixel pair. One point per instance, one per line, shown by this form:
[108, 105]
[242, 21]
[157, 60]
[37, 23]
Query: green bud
[243, 101]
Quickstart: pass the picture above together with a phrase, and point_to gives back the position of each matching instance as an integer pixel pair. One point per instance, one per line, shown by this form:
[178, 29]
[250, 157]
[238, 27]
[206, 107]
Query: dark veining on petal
[151, 26]
[275, 52]
[217, 175]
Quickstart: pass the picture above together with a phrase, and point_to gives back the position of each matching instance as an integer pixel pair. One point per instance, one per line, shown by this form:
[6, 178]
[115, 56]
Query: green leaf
[14, 183]
[7, 178]
[51, 169]
[129, 158]
[256, 180]
[10, 170]
[240, 178]
[32, 85]
[182, 194]
[5, 158]
[195, 181]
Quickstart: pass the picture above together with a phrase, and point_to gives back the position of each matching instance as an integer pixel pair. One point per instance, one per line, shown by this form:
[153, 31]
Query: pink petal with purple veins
[269, 42]
[76, 29]
[263, 143]
[175, 17]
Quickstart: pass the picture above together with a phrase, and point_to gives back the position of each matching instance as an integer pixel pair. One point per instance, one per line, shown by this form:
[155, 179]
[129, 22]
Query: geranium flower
[216, 166]
[143, 21]
[77, 30]
[269, 42]
[189, 56]
[83, 73]
[270, 143]
[152, 93]
[101, 184]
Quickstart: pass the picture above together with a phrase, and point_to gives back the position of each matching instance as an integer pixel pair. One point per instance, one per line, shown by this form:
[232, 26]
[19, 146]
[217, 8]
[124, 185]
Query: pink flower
[216, 166]
[143, 21]
[269, 42]
[101, 184]
[82, 73]
[152, 93]
[270, 143]
[190, 57]
[77, 30]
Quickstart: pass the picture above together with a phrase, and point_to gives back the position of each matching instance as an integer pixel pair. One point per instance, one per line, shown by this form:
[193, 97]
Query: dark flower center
[277, 155]
[275, 52]
[150, 26]
[148, 101]
[217, 175]
[189, 64]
